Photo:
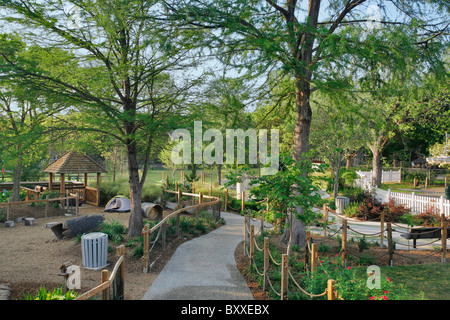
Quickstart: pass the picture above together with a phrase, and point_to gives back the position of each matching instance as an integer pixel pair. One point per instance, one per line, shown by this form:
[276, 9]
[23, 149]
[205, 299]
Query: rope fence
[386, 233]
[159, 231]
[250, 245]
[311, 251]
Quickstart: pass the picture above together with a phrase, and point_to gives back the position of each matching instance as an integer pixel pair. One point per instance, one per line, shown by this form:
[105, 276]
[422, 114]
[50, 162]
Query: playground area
[32, 256]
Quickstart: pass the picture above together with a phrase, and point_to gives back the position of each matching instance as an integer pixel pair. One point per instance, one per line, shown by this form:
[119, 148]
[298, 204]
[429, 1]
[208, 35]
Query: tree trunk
[336, 180]
[136, 222]
[219, 174]
[16, 182]
[301, 144]
[376, 167]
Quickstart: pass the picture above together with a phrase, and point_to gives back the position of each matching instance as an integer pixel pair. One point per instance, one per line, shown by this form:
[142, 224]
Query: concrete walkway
[204, 268]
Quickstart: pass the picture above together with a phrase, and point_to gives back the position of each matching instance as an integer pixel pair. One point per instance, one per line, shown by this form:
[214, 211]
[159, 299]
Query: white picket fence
[417, 203]
[388, 176]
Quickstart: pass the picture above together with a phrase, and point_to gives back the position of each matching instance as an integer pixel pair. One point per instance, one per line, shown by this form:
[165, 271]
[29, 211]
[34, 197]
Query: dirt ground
[31, 257]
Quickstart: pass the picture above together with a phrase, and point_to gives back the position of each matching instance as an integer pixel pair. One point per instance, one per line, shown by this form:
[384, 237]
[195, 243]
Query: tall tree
[113, 58]
[300, 38]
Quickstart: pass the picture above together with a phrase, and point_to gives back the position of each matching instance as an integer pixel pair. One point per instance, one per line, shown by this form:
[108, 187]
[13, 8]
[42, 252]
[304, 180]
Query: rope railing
[161, 226]
[385, 233]
[284, 265]
[311, 256]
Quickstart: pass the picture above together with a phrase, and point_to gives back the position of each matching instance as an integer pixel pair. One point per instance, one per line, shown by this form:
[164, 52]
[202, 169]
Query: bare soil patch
[31, 257]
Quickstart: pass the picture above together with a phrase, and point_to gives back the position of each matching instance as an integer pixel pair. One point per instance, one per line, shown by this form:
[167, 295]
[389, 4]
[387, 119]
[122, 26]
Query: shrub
[109, 189]
[351, 283]
[56, 294]
[370, 210]
[393, 212]
[353, 209]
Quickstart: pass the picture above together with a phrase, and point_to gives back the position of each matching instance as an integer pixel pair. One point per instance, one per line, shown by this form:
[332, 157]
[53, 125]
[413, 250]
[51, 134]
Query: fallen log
[74, 227]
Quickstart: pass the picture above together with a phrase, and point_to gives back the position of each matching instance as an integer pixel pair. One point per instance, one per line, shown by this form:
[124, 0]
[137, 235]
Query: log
[152, 211]
[74, 227]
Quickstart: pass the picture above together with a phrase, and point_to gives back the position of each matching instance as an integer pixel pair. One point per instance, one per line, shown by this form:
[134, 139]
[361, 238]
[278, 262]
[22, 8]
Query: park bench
[424, 233]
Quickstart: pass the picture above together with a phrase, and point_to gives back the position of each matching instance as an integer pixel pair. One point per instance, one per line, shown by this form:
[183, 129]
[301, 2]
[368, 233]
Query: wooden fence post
[266, 263]
[243, 201]
[344, 242]
[177, 231]
[164, 234]
[313, 257]
[444, 237]
[8, 209]
[120, 251]
[246, 235]
[307, 242]
[325, 219]
[330, 289]
[47, 205]
[381, 229]
[105, 292]
[390, 244]
[146, 236]
[284, 275]
[226, 199]
[252, 246]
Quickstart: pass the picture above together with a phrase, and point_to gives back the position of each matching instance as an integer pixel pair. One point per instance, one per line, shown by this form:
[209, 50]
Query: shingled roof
[72, 162]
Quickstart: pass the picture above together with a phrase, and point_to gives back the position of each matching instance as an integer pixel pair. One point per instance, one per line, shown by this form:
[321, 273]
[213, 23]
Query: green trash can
[447, 192]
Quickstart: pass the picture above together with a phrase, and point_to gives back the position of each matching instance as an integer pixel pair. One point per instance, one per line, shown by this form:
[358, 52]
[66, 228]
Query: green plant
[352, 209]
[114, 230]
[363, 244]
[56, 294]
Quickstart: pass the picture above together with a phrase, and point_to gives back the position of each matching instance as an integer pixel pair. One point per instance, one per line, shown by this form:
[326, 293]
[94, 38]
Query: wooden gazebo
[76, 163]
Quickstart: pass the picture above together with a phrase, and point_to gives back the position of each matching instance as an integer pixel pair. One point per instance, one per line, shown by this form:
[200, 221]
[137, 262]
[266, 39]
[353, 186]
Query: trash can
[341, 204]
[94, 249]
[447, 192]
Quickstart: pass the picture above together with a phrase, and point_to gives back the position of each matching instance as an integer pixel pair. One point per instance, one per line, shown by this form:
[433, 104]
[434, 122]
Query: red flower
[388, 279]
[372, 298]
[385, 298]
[385, 292]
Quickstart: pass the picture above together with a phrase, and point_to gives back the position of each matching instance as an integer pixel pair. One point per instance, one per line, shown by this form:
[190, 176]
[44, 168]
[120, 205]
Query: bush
[351, 284]
[371, 209]
[56, 294]
[109, 189]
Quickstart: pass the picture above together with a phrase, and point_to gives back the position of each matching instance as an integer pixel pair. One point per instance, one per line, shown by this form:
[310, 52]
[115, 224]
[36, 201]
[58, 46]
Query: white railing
[387, 176]
[417, 203]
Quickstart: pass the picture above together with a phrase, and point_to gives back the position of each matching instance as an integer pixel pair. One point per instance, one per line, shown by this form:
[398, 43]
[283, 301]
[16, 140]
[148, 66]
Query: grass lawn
[423, 282]
[429, 281]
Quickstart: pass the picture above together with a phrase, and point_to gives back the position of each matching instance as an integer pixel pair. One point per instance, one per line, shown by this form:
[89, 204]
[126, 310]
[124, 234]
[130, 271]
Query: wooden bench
[424, 233]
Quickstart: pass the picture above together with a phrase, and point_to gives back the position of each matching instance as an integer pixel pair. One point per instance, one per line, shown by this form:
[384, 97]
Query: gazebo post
[62, 188]
[50, 182]
[85, 184]
[98, 188]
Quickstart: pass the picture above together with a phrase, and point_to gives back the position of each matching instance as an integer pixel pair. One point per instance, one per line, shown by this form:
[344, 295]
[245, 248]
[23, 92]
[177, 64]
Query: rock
[5, 291]
[50, 224]
[29, 221]
[9, 224]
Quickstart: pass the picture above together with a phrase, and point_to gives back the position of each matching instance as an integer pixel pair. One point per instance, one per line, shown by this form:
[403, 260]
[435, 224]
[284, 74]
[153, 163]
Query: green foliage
[56, 294]
[109, 189]
[115, 230]
[5, 195]
[291, 186]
